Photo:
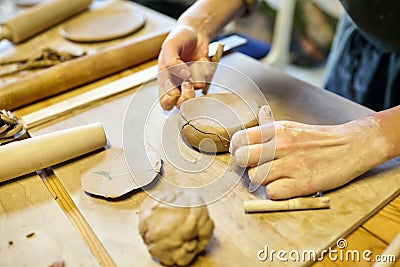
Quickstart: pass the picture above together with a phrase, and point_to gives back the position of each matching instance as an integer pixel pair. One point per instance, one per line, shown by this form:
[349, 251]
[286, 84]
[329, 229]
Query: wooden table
[50, 218]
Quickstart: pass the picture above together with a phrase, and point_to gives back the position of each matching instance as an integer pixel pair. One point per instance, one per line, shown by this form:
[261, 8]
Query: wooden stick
[290, 204]
[46, 114]
[32, 154]
[80, 71]
[216, 57]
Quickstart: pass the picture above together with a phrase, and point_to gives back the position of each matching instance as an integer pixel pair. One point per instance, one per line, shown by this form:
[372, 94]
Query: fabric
[250, 6]
[361, 71]
[378, 20]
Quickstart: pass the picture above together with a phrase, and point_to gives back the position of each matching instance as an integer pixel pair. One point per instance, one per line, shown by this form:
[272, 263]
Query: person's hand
[307, 158]
[182, 45]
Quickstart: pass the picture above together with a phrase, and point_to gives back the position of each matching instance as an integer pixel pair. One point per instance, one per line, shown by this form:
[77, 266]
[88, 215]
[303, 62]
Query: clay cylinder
[29, 155]
[80, 71]
[41, 17]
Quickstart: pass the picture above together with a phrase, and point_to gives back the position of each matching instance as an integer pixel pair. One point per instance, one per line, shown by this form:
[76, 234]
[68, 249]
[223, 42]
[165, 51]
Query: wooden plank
[386, 223]
[238, 236]
[358, 243]
[33, 229]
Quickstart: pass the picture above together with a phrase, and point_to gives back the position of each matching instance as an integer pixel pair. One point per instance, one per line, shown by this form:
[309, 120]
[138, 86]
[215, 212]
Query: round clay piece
[208, 122]
[111, 21]
[173, 234]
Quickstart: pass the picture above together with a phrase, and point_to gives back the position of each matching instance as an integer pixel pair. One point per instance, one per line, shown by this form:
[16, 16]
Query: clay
[114, 20]
[175, 235]
[208, 122]
[109, 177]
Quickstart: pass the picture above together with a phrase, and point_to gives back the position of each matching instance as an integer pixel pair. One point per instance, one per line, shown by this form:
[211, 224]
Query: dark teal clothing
[362, 68]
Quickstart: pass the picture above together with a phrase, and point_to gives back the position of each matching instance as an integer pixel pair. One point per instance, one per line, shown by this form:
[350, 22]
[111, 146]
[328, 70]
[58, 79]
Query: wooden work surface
[238, 236]
[27, 207]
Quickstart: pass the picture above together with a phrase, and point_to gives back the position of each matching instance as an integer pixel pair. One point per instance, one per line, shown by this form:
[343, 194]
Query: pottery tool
[79, 71]
[36, 153]
[48, 57]
[39, 18]
[305, 203]
[215, 59]
[113, 20]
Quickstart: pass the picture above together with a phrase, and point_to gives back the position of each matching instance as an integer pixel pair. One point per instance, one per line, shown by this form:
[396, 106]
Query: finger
[171, 61]
[253, 135]
[255, 154]
[285, 188]
[265, 115]
[171, 95]
[187, 92]
[258, 175]
[198, 73]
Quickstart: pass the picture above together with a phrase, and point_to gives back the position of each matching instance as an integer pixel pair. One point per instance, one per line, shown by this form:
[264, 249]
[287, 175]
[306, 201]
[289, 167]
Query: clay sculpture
[175, 235]
[208, 122]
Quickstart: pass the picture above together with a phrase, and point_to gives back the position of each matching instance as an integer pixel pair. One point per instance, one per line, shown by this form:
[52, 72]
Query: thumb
[265, 115]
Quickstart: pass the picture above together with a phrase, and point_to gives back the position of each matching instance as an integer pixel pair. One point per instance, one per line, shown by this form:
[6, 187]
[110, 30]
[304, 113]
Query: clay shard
[208, 122]
[175, 235]
[108, 175]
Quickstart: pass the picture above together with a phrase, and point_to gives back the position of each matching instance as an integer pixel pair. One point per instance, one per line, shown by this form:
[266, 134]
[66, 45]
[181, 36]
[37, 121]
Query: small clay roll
[208, 122]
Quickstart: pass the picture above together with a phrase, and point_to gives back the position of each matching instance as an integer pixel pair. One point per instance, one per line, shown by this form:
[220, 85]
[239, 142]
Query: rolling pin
[82, 70]
[36, 153]
[39, 18]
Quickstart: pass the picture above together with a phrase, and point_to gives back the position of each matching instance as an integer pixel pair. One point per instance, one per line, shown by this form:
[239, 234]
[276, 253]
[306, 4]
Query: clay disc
[208, 122]
[108, 176]
[114, 20]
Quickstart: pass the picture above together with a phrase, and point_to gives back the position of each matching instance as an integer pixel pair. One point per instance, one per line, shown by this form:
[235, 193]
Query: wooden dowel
[80, 71]
[215, 58]
[283, 205]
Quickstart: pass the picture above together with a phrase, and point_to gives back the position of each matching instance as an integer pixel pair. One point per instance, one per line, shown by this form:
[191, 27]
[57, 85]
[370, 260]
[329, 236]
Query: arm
[189, 42]
[312, 158]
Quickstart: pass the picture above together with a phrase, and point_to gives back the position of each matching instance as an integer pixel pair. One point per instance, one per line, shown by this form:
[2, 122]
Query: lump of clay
[208, 122]
[175, 235]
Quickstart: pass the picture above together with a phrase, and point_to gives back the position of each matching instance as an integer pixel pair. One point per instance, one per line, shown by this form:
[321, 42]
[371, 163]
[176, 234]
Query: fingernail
[267, 110]
[265, 115]
[184, 74]
[241, 157]
[186, 86]
[253, 187]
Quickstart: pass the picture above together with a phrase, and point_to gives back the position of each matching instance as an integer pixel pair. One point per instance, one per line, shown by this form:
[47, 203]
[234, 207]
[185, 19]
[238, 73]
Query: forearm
[389, 126]
[208, 17]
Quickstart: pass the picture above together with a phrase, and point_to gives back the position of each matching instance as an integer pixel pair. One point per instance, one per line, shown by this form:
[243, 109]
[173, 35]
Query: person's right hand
[176, 80]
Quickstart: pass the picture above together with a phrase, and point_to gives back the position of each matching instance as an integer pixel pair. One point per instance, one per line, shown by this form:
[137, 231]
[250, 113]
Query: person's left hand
[307, 158]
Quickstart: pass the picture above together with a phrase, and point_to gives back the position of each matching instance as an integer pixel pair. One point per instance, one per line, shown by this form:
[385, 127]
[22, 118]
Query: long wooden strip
[64, 200]
[80, 71]
[102, 92]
